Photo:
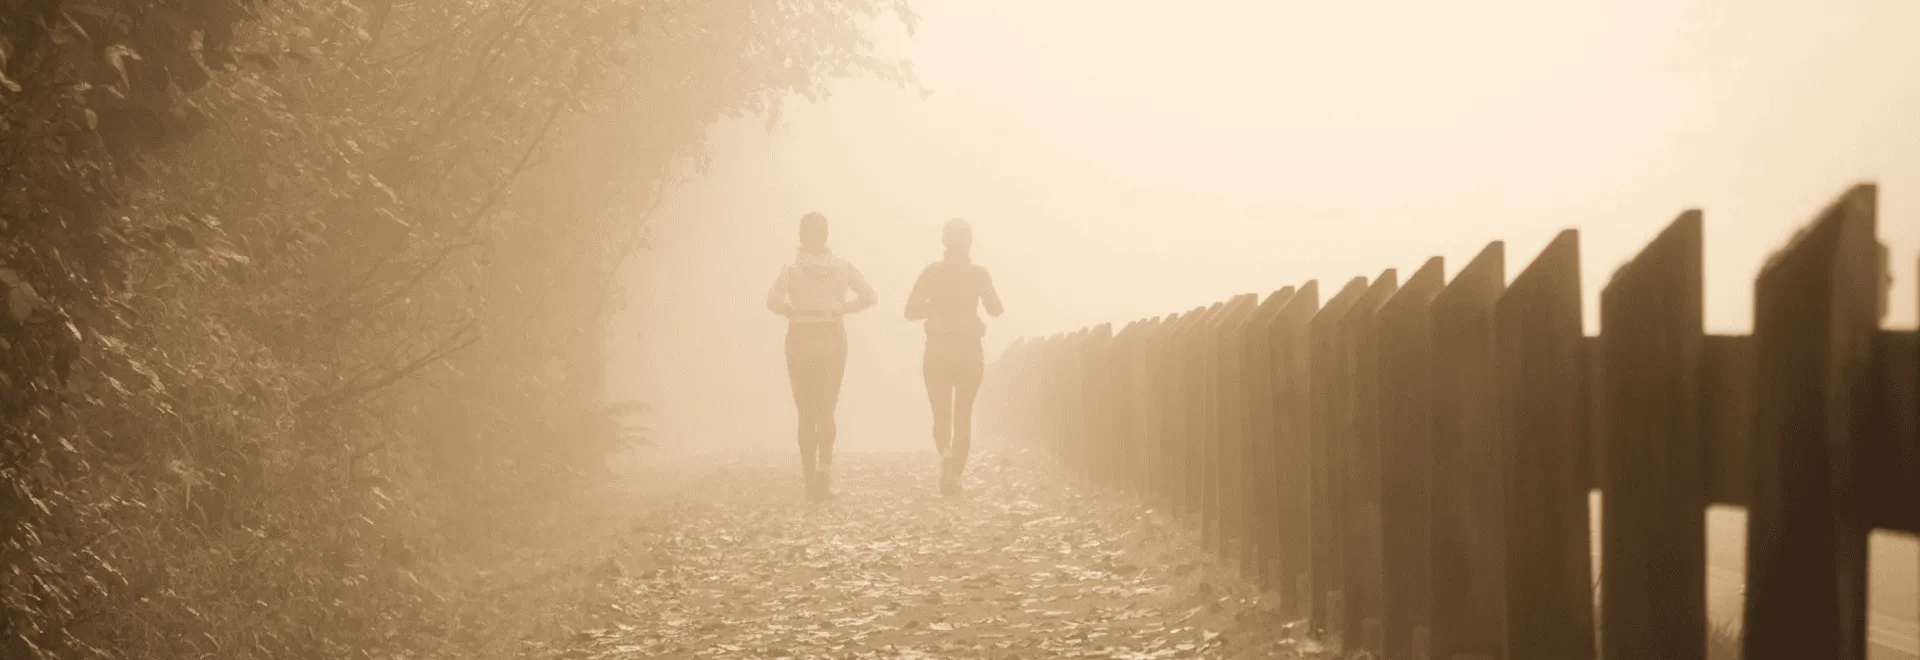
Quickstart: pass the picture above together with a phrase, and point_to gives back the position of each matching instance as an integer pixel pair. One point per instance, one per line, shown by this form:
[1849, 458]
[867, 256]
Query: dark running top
[948, 297]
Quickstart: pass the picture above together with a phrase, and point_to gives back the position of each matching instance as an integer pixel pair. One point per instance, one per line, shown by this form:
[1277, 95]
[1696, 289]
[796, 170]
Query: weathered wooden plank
[1163, 367]
[1174, 388]
[1068, 408]
[1121, 360]
[1101, 415]
[1141, 401]
[1593, 409]
[1291, 532]
[1225, 438]
[1165, 414]
[1026, 386]
[1013, 383]
[1469, 531]
[1549, 578]
[1090, 383]
[1257, 455]
[1036, 419]
[1360, 461]
[1892, 477]
[1406, 461]
[1127, 411]
[1815, 319]
[1076, 409]
[1653, 527]
[1726, 417]
[1332, 408]
[1085, 384]
[1197, 401]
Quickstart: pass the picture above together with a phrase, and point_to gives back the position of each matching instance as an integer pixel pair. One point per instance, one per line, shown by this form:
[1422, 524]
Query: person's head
[957, 235]
[813, 231]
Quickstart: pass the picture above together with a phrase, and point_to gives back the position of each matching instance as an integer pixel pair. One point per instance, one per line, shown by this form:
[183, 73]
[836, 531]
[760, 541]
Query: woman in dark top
[948, 297]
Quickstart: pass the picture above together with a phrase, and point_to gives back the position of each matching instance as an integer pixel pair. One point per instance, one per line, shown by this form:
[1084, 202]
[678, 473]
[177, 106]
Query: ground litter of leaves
[1027, 564]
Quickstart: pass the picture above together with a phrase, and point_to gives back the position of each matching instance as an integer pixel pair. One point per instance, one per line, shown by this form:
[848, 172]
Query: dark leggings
[816, 360]
[953, 366]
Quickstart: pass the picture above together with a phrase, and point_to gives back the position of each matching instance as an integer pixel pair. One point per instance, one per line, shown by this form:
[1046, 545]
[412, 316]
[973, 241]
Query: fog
[1121, 160]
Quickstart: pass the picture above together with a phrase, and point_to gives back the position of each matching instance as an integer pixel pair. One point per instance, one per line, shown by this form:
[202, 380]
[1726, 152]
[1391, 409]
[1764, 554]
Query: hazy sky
[1125, 159]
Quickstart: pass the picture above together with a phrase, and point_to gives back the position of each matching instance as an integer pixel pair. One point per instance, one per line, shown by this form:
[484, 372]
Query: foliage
[304, 298]
[1028, 566]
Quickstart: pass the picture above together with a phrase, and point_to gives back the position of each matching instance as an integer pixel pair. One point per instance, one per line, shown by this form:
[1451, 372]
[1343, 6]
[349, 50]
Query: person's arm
[989, 297]
[917, 299]
[863, 295]
[777, 297]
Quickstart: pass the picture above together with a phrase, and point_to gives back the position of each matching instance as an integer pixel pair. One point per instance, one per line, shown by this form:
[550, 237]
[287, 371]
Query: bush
[295, 290]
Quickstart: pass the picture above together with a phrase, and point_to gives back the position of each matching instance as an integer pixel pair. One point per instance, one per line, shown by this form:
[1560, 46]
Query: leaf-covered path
[1026, 565]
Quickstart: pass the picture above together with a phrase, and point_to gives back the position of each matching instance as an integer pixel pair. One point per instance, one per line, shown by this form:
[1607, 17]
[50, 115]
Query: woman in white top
[812, 293]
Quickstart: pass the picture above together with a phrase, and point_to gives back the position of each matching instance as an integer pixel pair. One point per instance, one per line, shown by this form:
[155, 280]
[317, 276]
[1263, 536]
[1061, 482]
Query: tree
[291, 284]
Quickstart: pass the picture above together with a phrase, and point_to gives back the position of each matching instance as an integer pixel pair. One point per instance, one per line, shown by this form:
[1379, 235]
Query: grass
[1723, 641]
[1723, 637]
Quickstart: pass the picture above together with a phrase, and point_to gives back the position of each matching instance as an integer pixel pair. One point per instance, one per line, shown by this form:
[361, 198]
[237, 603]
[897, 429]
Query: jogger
[948, 297]
[812, 293]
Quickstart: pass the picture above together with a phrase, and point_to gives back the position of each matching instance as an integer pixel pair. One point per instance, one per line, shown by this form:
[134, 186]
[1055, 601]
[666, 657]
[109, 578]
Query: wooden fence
[1409, 463]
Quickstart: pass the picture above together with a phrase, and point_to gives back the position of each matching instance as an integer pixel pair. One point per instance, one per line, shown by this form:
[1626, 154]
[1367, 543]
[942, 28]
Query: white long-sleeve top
[813, 289]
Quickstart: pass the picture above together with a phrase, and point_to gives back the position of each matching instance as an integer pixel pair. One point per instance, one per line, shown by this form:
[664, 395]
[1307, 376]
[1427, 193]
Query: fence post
[1174, 388]
[1331, 396]
[1815, 317]
[1101, 416]
[1120, 376]
[993, 392]
[1654, 489]
[1046, 409]
[1406, 461]
[1198, 400]
[1893, 478]
[1224, 439]
[1178, 387]
[1132, 404]
[1152, 390]
[1469, 600]
[1150, 407]
[1292, 526]
[1133, 408]
[1359, 493]
[1549, 579]
[1253, 465]
[1200, 423]
[1074, 412]
[1062, 409]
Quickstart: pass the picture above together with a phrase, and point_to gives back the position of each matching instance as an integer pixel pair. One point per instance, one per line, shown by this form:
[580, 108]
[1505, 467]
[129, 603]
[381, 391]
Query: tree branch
[473, 220]
[352, 390]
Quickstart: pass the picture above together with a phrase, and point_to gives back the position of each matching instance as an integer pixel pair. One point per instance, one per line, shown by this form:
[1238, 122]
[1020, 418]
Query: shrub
[295, 289]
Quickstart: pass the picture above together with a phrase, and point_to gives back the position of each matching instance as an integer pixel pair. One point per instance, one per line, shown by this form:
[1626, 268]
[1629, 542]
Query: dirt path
[1025, 566]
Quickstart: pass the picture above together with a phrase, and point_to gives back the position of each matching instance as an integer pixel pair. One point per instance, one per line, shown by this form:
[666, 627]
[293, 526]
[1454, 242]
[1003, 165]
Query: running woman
[948, 297]
[812, 293]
